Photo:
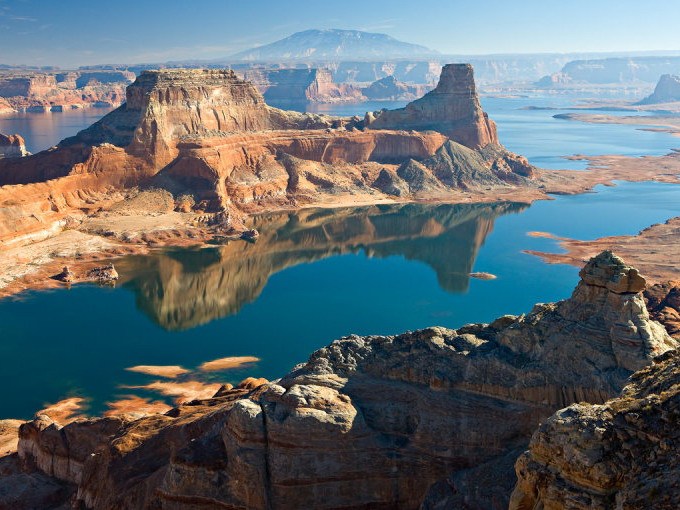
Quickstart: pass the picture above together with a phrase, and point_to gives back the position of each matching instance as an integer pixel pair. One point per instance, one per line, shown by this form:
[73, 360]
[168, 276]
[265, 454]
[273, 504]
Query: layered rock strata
[294, 86]
[368, 422]
[621, 454]
[451, 108]
[59, 91]
[209, 135]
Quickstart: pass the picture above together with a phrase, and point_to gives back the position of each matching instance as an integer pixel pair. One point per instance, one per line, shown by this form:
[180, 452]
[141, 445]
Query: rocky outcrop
[379, 421]
[58, 91]
[622, 454]
[667, 90]
[391, 89]
[299, 86]
[452, 108]
[663, 303]
[12, 146]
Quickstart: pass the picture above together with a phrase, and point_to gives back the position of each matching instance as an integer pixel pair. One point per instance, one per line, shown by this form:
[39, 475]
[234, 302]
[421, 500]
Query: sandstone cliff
[621, 454]
[59, 91]
[667, 90]
[296, 86]
[452, 108]
[211, 135]
[12, 146]
[379, 422]
[391, 89]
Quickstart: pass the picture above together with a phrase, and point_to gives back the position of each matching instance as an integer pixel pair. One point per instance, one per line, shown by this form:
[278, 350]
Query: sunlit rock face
[210, 135]
[452, 108]
[377, 421]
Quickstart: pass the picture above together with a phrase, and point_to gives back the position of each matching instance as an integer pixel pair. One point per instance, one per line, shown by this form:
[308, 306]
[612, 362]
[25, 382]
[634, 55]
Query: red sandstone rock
[452, 108]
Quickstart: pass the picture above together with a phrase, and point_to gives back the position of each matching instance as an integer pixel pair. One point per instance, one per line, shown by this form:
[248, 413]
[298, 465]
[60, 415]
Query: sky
[70, 33]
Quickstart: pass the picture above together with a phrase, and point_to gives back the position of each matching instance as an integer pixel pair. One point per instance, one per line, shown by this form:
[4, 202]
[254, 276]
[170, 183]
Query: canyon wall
[211, 135]
[12, 146]
[667, 90]
[621, 454]
[379, 421]
[299, 86]
[58, 91]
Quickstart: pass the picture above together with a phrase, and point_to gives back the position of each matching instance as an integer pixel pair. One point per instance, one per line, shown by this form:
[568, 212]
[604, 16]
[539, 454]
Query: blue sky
[78, 32]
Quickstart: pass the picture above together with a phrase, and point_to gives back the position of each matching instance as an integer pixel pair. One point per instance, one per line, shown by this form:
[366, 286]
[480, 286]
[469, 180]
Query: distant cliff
[210, 135]
[290, 86]
[613, 71]
[667, 90]
[65, 90]
[12, 146]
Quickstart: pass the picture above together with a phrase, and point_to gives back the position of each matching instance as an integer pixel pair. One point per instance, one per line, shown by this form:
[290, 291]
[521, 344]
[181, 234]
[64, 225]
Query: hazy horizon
[39, 33]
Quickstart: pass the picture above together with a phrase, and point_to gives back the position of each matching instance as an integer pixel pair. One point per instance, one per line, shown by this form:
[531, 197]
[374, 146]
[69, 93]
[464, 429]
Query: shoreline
[109, 235]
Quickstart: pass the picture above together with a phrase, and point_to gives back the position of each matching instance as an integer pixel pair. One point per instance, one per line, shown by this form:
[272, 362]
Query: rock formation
[210, 136]
[391, 89]
[66, 90]
[283, 87]
[621, 454]
[452, 108]
[667, 90]
[663, 303]
[12, 146]
[380, 422]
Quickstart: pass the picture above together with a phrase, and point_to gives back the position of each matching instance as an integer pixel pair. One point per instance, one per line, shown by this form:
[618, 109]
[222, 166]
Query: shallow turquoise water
[311, 278]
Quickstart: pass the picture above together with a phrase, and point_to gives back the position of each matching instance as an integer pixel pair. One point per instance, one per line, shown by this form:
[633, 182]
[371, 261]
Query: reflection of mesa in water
[181, 289]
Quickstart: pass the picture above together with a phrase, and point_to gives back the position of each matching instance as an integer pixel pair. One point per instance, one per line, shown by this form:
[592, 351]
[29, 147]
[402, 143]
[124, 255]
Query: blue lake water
[316, 275]
[46, 129]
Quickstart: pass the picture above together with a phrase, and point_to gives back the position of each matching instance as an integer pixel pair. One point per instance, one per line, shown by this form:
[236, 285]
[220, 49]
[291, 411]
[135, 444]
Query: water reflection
[182, 289]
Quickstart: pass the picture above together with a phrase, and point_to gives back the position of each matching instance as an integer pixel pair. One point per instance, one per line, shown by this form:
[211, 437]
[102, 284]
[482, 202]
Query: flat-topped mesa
[165, 106]
[452, 108]
[12, 146]
[667, 90]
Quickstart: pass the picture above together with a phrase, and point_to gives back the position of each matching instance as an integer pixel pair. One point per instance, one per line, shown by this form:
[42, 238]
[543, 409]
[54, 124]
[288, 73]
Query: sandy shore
[662, 123]
[655, 251]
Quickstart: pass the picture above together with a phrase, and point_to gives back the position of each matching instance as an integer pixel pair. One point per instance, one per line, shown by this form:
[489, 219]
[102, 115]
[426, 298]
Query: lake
[316, 275]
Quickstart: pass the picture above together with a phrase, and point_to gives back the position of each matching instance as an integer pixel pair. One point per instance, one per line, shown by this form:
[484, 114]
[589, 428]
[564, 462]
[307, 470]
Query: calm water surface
[313, 276]
[316, 275]
[46, 129]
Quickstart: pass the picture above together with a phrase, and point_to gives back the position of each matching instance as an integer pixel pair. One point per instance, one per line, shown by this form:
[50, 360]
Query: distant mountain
[333, 44]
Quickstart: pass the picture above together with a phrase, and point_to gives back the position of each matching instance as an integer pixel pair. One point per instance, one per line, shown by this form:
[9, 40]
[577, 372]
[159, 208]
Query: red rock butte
[210, 134]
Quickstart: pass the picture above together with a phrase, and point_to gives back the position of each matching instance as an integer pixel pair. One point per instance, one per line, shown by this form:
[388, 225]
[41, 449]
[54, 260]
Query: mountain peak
[332, 44]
